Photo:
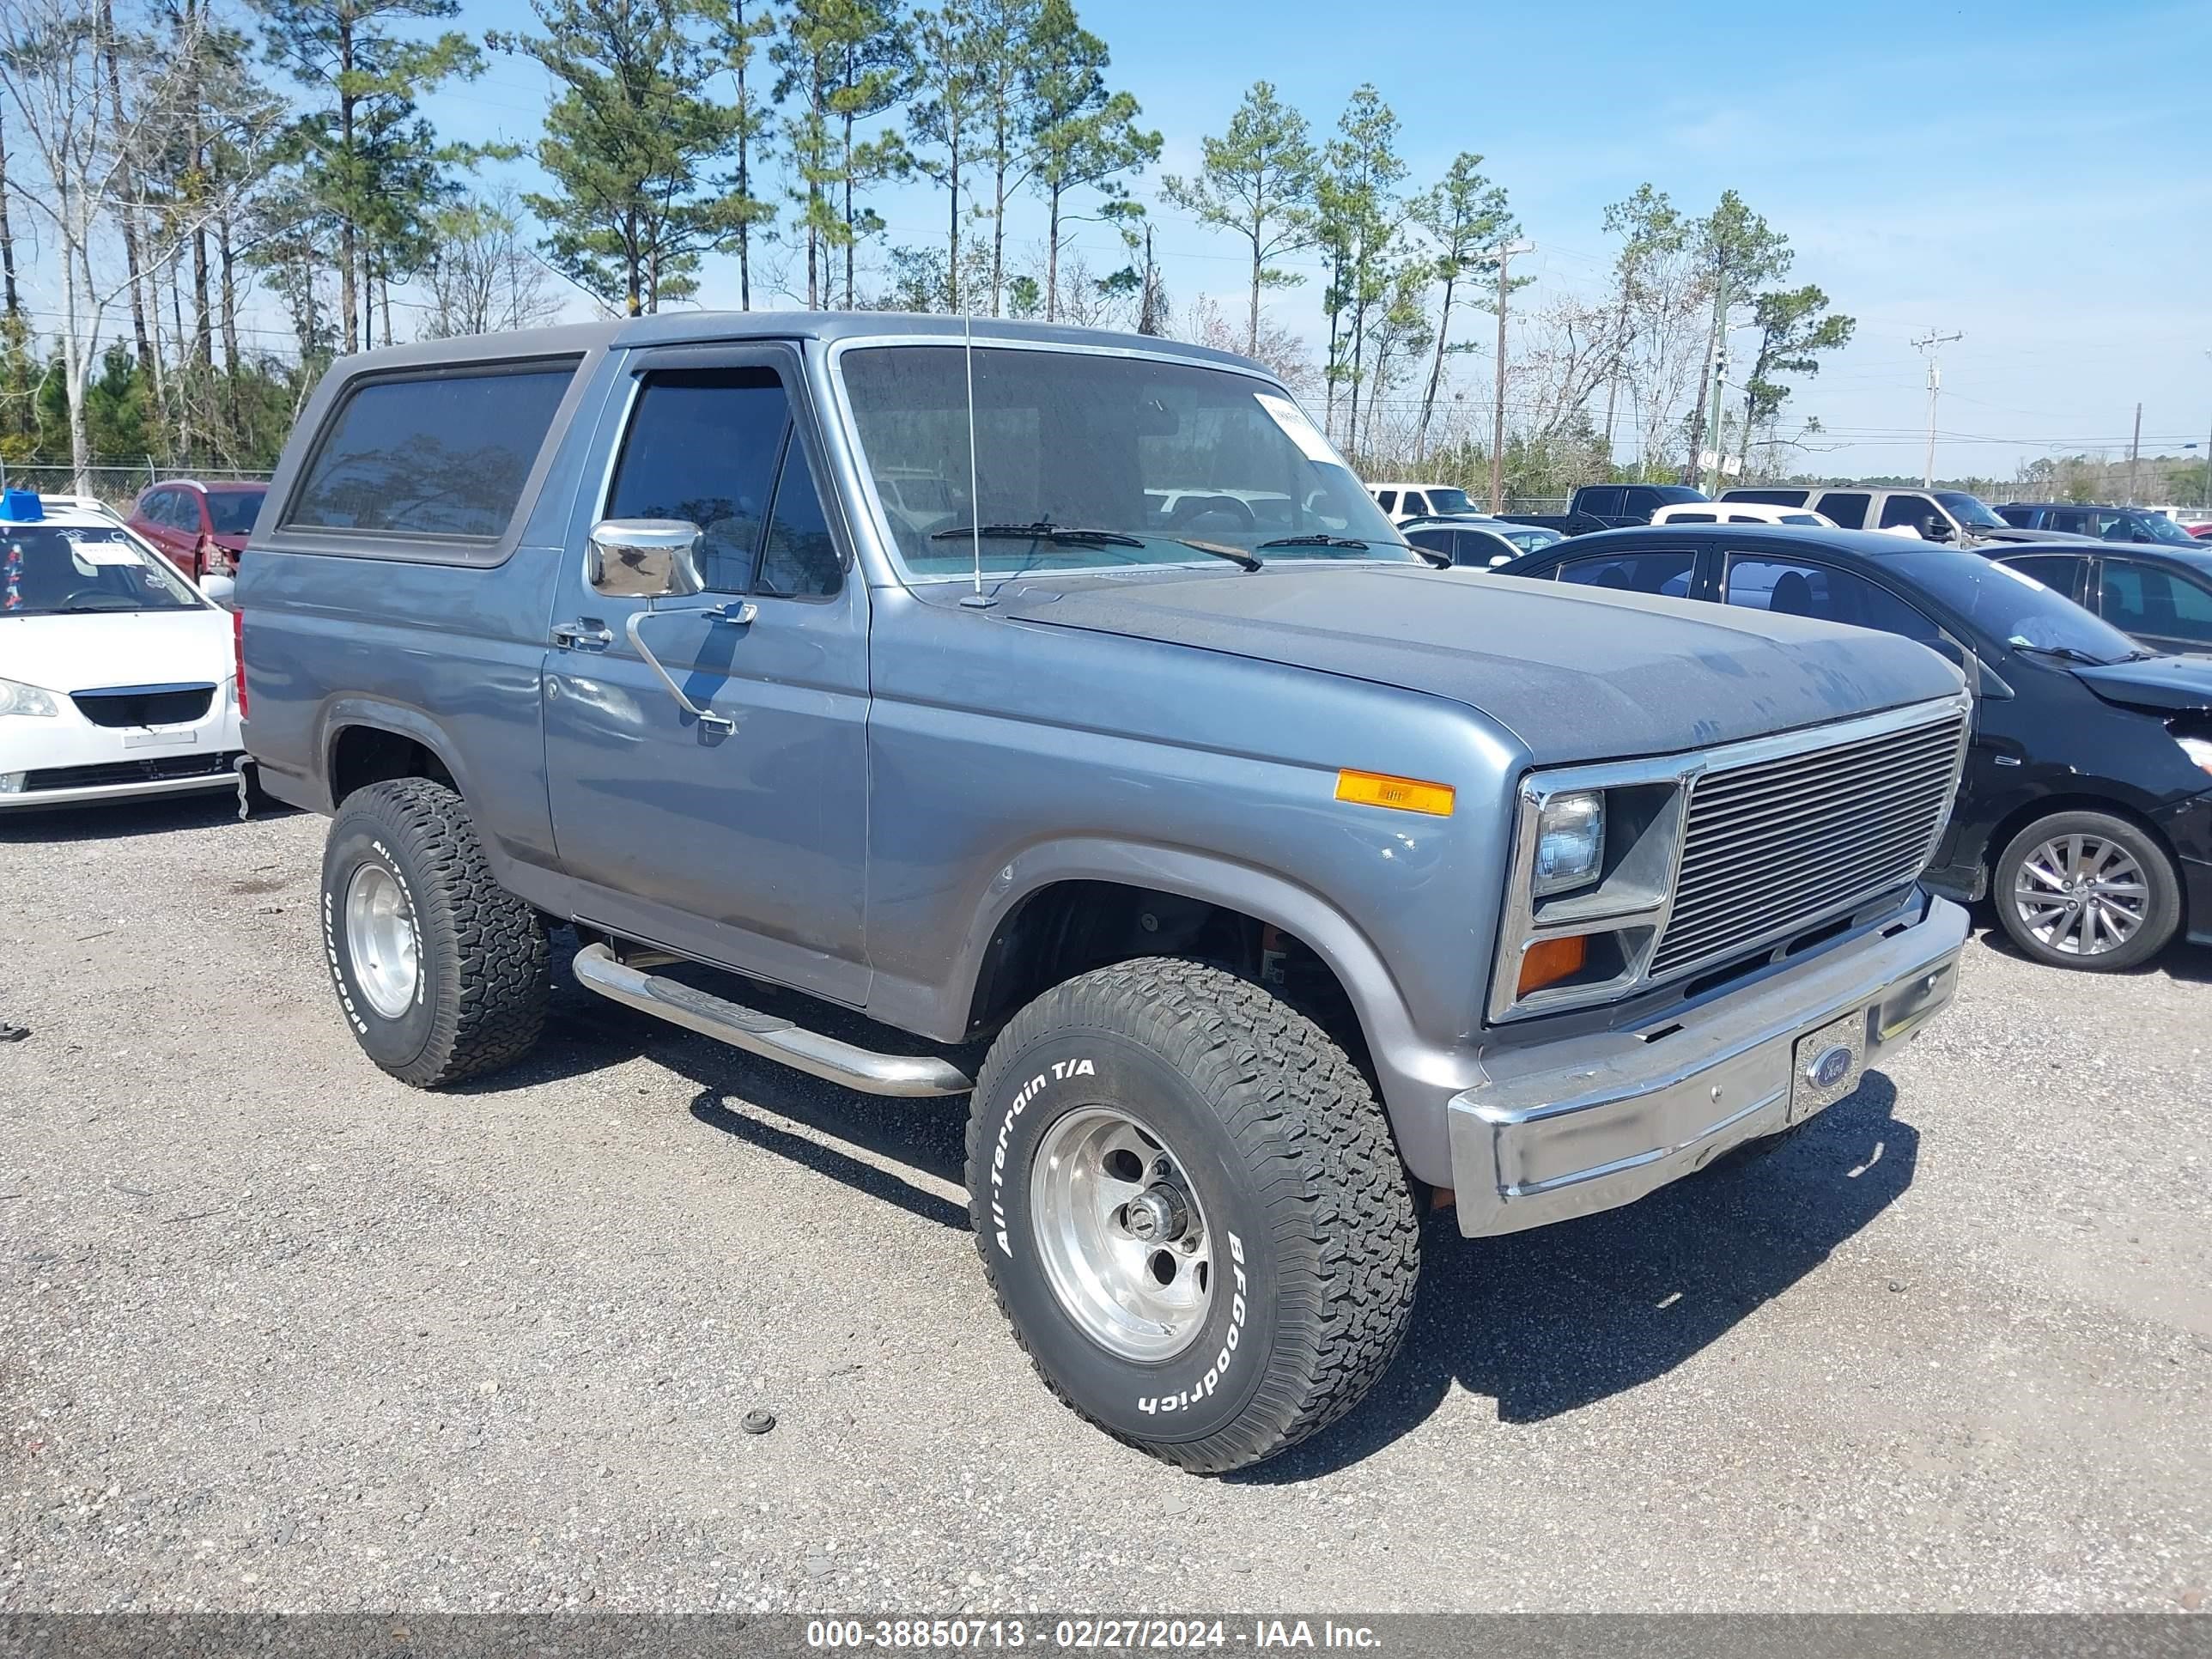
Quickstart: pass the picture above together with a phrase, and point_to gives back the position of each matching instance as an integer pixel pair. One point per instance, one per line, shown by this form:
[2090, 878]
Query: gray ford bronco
[1061, 699]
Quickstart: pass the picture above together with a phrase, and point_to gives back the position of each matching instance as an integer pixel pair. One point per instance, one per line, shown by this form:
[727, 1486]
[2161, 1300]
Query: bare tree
[80, 153]
[484, 276]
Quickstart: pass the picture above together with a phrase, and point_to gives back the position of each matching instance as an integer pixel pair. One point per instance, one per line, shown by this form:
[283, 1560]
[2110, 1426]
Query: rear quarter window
[440, 455]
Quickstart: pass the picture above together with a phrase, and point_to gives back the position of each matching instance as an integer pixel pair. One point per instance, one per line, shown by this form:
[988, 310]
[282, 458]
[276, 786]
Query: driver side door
[739, 838]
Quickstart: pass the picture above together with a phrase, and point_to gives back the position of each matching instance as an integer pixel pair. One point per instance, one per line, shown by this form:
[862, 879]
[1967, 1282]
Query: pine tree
[1258, 180]
[947, 126]
[632, 142]
[1081, 135]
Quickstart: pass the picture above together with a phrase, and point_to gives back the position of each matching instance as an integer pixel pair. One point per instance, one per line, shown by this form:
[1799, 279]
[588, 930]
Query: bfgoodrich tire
[2124, 904]
[442, 973]
[1191, 1210]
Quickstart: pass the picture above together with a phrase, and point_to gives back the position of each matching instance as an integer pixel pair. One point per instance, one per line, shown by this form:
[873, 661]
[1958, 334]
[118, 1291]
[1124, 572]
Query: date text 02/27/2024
[1085, 1635]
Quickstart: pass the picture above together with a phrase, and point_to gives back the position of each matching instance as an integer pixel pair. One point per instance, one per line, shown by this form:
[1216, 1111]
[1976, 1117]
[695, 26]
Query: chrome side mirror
[644, 559]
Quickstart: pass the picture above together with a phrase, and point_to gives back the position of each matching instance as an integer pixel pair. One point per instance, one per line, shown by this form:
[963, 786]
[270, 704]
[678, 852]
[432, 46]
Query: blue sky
[2035, 175]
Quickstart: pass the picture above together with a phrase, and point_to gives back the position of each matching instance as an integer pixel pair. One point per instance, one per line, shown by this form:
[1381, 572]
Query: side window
[2059, 572]
[1387, 500]
[1847, 508]
[1604, 500]
[431, 455]
[702, 446]
[1642, 502]
[2073, 522]
[2020, 518]
[1633, 572]
[1415, 502]
[1800, 588]
[2140, 599]
[1708, 518]
[1915, 510]
[801, 559]
[1437, 541]
[155, 509]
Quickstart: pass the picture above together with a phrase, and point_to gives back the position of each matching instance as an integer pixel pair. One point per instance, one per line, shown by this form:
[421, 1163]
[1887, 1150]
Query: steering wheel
[90, 598]
[1198, 507]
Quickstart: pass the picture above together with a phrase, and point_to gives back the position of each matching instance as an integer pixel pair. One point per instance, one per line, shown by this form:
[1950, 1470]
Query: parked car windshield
[2016, 608]
[232, 511]
[52, 569]
[1111, 461]
[2158, 528]
[1969, 509]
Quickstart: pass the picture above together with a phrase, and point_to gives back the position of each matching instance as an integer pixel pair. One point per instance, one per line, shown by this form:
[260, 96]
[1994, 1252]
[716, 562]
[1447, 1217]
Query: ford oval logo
[1829, 1067]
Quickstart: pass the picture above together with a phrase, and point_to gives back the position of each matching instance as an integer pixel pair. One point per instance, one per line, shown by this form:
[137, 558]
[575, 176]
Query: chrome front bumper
[1558, 1130]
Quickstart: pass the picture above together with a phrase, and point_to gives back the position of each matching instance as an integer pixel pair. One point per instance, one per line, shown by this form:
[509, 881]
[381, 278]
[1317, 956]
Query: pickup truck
[1610, 507]
[1287, 888]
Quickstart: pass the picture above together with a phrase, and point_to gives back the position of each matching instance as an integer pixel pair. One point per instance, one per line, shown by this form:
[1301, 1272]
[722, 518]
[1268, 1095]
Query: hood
[122, 648]
[2014, 533]
[1576, 673]
[2160, 686]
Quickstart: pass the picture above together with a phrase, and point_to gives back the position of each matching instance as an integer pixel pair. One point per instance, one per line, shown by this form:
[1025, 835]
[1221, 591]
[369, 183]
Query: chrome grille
[1776, 847]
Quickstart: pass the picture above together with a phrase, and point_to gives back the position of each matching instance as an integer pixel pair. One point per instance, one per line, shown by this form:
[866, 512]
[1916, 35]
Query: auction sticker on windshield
[1300, 430]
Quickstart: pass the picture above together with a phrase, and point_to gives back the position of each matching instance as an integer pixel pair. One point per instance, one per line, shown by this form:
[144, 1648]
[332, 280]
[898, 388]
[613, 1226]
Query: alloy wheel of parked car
[2086, 889]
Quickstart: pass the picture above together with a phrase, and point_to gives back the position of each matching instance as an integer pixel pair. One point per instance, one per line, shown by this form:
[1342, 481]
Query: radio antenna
[975, 600]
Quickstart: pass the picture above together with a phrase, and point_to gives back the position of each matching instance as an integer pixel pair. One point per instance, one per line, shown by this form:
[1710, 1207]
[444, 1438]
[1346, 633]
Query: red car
[200, 527]
[2201, 532]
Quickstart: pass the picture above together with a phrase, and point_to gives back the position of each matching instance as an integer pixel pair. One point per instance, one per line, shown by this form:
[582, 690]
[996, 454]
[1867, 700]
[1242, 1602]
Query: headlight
[18, 699]
[2199, 750]
[1569, 841]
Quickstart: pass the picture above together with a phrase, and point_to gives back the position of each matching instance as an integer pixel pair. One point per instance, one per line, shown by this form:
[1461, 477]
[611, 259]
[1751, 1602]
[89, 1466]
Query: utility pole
[1719, 381]
[2134, 452]
[1933, 344]
[1497, 415]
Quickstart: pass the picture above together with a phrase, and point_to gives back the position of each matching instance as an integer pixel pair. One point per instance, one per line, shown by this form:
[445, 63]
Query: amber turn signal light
[1403, 795]
[1551, 960]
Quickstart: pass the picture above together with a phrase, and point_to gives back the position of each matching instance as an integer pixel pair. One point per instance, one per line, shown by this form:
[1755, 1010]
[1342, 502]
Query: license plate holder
[1828, 1064]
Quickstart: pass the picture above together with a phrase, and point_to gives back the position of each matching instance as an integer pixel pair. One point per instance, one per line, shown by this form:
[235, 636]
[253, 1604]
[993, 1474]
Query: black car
[2086, 810]
[2161, 594]
[1479, 543]
[2106, 524]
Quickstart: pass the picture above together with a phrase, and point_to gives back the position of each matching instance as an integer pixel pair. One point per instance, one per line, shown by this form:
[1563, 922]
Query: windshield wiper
[2067, 652]
[1235, 555]
[1313, 541]
[1040, 532]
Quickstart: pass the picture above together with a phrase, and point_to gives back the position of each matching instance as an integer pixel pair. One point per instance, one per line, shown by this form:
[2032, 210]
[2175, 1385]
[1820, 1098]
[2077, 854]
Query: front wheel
[2088, 891]
[442, 974]
[1191, 1210]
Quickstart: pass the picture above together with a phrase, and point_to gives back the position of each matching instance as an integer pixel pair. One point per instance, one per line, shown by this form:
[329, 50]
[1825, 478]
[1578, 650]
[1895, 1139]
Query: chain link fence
[118, 485]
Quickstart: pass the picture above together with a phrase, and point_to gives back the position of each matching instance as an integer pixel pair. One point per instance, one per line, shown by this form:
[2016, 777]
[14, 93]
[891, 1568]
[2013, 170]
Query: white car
[118, 679]
[1742, 512]
[1421, 501]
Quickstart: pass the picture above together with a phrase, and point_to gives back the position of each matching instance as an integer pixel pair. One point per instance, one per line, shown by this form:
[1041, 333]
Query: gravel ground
[278, 1333]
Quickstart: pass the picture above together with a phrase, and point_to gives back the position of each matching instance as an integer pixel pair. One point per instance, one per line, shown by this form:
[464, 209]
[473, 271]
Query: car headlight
[2199, 750]
[1569, 841]
[19, 699]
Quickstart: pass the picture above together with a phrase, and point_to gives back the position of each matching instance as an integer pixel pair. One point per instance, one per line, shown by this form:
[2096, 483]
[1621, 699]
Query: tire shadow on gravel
[1557, 1318]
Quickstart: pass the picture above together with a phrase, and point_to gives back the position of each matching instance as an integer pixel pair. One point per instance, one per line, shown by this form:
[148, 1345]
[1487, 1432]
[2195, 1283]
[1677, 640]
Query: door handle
[583, 635]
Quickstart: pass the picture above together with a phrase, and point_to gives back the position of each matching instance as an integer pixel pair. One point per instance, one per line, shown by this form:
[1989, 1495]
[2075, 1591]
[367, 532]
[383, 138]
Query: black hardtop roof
[2086, 506]
[707, 327]
[1776, 537]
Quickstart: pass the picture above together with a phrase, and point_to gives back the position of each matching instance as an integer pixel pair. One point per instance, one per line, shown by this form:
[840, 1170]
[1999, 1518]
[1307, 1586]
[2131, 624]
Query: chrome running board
[599, 968]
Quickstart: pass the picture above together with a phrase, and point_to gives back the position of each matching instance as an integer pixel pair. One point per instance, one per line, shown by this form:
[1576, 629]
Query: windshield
[1968, 509]
[51, 571]
[232, 511]
[1999, 601]
[2158, 528]
[1449, 503]
[1111, 461]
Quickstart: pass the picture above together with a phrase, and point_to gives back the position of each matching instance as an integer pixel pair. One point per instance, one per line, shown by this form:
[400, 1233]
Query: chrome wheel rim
[1121, 1235]
[2081, 895]
[381, 940]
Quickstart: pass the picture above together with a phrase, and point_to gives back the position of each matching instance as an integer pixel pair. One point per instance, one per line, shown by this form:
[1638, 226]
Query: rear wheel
[442, 974]
[1190, 1207]
[2088, 891]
